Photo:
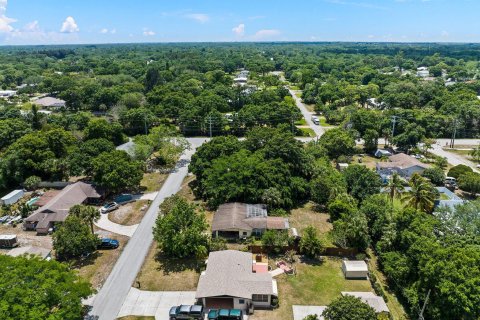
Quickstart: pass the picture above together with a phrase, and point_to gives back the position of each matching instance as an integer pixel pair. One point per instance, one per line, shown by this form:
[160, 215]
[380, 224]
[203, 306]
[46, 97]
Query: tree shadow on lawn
[86, 261]
[175, 265]
[311, 261]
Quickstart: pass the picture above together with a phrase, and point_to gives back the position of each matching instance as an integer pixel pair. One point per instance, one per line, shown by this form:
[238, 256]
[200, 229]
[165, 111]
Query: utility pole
[145, 123]
[420, 316]
[210, 124]
[452, 141]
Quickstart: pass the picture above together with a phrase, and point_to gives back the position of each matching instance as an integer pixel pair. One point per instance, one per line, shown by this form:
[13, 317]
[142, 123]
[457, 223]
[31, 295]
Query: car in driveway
[229, 314]
[212, 314]
[107, 243]
[316, 120]
[109, 207]
[186, 312]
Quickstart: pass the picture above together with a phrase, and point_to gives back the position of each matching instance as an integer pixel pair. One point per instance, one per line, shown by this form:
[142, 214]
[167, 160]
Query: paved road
[109, 300]
[306, 114]
[452, 158]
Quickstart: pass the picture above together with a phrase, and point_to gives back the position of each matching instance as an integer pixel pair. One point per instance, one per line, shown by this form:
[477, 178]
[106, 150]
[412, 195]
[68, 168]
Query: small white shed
[355, 269]
[12, 197]
[382, 153]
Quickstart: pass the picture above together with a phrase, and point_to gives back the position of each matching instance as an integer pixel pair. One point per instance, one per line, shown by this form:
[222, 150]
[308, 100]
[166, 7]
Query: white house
[7, 93]
[423, 72]
[230, 282]
[355, 269]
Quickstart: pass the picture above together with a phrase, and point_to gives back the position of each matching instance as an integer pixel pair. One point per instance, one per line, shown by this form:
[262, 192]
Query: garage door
[219, 303]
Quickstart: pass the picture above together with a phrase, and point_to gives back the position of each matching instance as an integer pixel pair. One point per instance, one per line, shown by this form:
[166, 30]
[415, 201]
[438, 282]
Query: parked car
[316, 120]
[213, 314]
[229, 314]
[186, 312]
[107, 243]
[109, 207]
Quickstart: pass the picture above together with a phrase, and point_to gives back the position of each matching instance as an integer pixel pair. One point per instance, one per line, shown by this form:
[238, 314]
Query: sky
[127, 21]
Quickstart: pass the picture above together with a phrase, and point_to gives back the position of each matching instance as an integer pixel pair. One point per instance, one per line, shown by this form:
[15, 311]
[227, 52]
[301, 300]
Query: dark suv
[186, 312]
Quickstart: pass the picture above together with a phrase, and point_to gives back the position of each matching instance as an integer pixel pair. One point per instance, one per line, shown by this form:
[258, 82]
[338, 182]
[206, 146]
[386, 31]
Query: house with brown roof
[241, 220]
[58, 207]
[230, 282]
[402, 164]
[49, 103]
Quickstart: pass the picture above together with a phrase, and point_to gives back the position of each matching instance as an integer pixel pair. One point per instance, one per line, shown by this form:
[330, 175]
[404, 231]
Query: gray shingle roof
[229, 273]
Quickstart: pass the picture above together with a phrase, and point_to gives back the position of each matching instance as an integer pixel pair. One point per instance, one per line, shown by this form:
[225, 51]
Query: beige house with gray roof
[229, 282]
[241, 220]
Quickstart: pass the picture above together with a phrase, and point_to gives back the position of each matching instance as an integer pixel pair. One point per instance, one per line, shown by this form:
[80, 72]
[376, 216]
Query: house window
[260, 298]
[244, 233]
[241, 301]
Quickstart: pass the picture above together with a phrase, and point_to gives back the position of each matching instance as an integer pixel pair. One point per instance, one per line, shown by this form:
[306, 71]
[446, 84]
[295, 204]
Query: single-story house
[43, 253]
[342, 166]
[229, 282]
[423, 72]
[240, 220]
[57, 208]
[355, 269]
[12, 197]
[7, 93]
[402, 164]
[370, 298]
[382, 153]
[50, 102]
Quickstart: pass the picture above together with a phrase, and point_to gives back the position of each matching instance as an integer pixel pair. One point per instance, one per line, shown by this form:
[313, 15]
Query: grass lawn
[303, 217]
[159, 273]
[301, 122]
[315, 284]
[294, 88]
[307, 132]
[153, 181]
[130, 213]
[369, 161]
[97, 267]
[324, 123]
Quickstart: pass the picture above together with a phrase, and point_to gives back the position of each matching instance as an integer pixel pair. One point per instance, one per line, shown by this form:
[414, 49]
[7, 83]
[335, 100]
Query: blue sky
[113, 21]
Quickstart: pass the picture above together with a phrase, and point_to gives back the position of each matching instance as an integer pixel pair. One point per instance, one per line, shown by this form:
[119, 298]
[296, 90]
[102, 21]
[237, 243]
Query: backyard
[316, 283]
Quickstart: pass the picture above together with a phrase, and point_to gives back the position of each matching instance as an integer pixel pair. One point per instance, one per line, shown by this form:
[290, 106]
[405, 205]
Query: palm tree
[395, 186]
[422, 194]
[87, 213]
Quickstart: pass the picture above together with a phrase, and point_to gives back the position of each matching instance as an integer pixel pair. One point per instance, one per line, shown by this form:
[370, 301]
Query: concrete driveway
[105, 224]
[154, 303]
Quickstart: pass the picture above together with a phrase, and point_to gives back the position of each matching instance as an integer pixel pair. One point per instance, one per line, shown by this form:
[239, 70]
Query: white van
[450, 180]
[316, 120]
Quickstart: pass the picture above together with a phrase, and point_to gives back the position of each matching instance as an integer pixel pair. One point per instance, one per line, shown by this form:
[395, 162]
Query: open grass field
[153, 181]
[301, 218]
[316, 283]
[159, 273]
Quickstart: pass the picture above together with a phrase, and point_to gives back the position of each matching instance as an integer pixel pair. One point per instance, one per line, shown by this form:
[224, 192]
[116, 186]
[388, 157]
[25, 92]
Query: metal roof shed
[12, 197]
[355, 269]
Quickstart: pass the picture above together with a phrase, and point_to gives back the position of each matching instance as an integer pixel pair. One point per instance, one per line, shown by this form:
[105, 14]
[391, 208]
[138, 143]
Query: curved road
[109, 300]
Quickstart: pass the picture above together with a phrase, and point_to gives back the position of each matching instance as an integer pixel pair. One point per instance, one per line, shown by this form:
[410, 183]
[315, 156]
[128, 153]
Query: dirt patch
[305, 216]
[130, 213]
[153, 181]
[26, 238]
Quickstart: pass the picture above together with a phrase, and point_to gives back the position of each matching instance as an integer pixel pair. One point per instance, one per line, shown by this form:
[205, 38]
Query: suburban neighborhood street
[110, 299]
[319, 131]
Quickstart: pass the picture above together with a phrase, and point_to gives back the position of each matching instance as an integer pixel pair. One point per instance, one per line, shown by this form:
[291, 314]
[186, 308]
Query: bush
[435, 175]
[32, 183]
[459, 170]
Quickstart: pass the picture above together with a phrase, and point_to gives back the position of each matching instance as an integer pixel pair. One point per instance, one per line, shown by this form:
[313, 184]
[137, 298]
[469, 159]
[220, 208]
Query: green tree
[327, 183]
[349, 308]
[435, 175]
[475, 153]
[395, 186]
[181, 232]
[39, 289]
[422, 194]
[351, 231]
[457, 171]
[98, 128]
[310, 244]
[470, 182]
[337, 142]
[361, 181]
[88, 214]
[74, 239]
[371, 140]
[115, 171]
[342, 205]
[32, 183]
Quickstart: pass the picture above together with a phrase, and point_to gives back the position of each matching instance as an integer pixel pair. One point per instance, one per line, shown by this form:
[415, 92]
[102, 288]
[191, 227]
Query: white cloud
[266, 34]
[147, 32]
[199, 17]
[239, 30]
[104, 30]
[445, 34]
[5, 21]
[32, 27]
[69, 26]
[113, 31]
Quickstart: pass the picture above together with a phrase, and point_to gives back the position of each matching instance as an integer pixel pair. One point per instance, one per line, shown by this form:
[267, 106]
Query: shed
[8, 240]
[355, 269]
[12, 197]
[382, 152]
[342, 166]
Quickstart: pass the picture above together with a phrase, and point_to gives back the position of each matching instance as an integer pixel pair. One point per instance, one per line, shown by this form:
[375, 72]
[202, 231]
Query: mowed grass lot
[152, 181]
[301, 218]
[159, 273]
[314, 284]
